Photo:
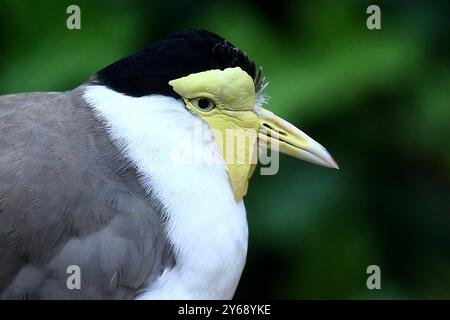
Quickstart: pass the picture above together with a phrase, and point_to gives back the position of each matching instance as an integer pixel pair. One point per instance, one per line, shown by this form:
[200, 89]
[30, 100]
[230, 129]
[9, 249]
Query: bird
[103, 183]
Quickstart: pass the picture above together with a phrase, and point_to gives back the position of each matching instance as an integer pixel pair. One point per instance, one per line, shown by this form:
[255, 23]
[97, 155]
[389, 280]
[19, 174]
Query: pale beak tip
[327, 159]
[332, 164]
[335, 165]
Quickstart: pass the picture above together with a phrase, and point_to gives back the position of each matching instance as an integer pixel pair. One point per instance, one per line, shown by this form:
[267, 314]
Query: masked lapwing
[123, 189]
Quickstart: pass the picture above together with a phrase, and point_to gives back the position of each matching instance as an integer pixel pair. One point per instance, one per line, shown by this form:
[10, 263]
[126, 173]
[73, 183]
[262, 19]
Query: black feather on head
[174, 56]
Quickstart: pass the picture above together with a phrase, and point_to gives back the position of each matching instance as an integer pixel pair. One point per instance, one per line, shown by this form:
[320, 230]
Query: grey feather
[68, 197]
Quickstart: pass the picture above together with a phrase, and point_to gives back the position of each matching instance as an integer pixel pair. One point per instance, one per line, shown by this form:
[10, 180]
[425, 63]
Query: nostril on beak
[268, 126]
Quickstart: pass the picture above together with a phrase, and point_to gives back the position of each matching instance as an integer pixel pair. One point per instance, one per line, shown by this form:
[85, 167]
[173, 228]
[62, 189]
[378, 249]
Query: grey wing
[74, 221]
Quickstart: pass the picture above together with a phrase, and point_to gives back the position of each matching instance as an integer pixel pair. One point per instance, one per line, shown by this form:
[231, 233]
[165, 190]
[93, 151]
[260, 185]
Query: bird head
[218, 84]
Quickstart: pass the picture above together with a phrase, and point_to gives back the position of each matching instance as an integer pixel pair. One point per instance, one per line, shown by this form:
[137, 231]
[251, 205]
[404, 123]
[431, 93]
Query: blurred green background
[378, 100]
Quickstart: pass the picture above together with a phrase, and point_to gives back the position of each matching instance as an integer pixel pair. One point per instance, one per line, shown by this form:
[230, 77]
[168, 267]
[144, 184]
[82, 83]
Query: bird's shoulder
[67, 197]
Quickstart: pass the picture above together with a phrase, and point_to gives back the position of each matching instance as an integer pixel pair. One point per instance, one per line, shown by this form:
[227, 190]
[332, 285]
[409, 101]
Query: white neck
[207, 228]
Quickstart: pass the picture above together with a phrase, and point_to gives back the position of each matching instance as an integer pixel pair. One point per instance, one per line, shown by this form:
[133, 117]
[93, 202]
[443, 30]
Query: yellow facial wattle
[239, 128]
[232, 121]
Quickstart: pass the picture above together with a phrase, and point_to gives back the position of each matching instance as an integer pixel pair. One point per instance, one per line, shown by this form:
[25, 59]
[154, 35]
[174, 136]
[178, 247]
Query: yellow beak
[277, 134]
[233, 92]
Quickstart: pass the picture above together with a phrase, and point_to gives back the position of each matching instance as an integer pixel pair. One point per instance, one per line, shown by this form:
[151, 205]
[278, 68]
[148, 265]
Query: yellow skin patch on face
[238, 129]
[232, 121]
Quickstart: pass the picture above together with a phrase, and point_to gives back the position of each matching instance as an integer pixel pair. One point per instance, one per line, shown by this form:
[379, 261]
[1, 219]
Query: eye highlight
[203, 104]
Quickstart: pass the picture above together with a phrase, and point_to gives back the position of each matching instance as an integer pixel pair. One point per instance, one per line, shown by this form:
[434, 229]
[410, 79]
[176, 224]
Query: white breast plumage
[207, 228]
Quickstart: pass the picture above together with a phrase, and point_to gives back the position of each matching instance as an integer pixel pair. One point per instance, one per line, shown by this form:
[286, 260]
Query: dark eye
[203, 104]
